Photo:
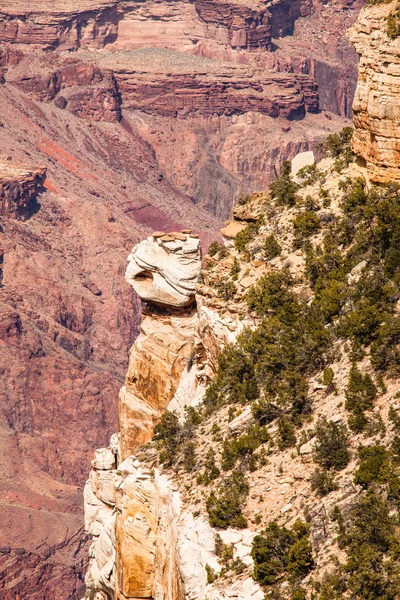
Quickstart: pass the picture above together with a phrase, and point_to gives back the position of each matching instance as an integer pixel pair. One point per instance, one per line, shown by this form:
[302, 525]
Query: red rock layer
[81, 88]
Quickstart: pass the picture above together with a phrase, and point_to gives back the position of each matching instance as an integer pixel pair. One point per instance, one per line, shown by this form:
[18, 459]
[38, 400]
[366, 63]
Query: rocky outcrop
[167, 83]
[19, 189]
[235, 24]
[156, 361]
[164, 269]
[59, 24]
[376, 136]
[82, 88]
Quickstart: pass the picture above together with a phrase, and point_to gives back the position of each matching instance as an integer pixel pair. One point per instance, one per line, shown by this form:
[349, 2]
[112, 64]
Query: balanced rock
[164, 271]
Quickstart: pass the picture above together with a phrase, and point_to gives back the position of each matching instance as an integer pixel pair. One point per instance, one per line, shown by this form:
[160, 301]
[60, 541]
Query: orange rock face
[156, 362]
[376, 136]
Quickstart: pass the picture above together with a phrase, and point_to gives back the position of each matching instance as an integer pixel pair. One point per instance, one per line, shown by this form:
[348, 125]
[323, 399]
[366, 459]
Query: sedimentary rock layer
[376, 136]
[168, 83]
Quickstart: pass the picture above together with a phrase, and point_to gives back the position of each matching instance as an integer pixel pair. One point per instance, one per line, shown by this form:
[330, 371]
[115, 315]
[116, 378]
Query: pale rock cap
[165, 270]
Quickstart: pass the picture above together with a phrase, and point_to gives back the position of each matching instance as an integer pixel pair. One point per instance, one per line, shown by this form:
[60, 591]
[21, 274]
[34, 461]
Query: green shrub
[189, 456]
[323, 482]
[272, 249]
[374, 466]
[286, 433]
[272, 294]
[305, 224]
[244, 445]
[235, 269]
[385, 350]
[211, 574]
[225, 507]
[211, 470]
[299, 594]
[331, 445]
[265, 411]
[393, 25]
[360, 391]
[217, 248]
[309, 174]
[244, 237]
[284, 188]
[279, 551]
[338, 145]
[226, 289]
[168, 435]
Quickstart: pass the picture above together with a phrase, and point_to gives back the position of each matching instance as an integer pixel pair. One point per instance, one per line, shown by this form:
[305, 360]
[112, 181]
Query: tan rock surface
[376, 136]
[157, 359]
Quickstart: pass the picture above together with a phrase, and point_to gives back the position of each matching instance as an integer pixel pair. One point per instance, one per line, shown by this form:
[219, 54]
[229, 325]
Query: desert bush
[279, 552]
[235, 269]
[272, 249]
[226, 289]
[331, 445]
[244, 237]
[360, 395]
[235, 447]
[217, 248]
[306, 223]
[286, 433]
[374, 466]
[284, 188]
[323, 482]
[224, 507]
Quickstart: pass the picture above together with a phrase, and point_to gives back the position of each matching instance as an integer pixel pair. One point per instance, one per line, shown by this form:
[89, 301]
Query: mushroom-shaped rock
[164, 270]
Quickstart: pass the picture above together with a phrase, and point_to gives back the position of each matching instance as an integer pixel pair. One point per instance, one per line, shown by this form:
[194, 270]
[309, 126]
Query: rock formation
[164, 269]
[19, 189]
[145, 543]
[376, 136]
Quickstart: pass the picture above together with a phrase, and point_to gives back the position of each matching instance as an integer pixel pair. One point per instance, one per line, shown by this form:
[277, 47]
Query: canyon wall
[376, 136]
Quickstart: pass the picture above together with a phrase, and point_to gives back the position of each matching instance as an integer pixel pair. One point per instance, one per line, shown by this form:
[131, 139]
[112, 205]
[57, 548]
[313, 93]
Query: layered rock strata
[376, 136]
[19, 189]
[59, 24]
[167, 83]
[82, 88]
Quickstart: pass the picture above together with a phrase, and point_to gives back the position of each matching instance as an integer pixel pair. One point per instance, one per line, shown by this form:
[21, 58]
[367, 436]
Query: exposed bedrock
[19, 189]
[376, 137]
[163, 270]
[59, 24]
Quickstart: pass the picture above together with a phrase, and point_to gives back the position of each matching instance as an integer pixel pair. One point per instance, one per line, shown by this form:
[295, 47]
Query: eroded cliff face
[376, 136]
[146, 541]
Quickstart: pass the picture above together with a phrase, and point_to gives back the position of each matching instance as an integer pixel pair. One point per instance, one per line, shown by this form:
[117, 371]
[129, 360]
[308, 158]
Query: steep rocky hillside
[275, 470]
